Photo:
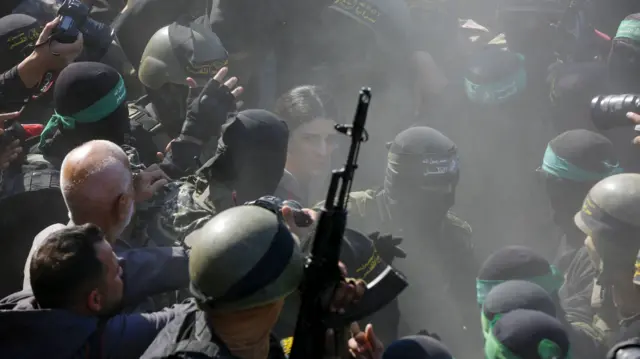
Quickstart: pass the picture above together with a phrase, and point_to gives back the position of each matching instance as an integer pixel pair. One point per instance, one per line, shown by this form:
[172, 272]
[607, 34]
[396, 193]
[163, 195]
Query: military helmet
[610, 215]
[178, 51]
[243, 258]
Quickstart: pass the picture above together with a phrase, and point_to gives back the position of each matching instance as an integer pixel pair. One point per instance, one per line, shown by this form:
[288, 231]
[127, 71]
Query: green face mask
[94, 113]
[550, 282]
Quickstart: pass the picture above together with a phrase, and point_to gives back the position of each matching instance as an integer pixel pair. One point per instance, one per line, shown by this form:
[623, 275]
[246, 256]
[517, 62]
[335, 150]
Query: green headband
[547, 349]
[499, 92]
[630, 29]
[94, 113]
[561, 168]
[487, 324]
[549, 282]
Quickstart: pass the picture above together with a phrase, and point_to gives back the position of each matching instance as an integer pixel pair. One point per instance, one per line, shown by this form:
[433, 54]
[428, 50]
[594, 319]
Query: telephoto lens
[609, 111]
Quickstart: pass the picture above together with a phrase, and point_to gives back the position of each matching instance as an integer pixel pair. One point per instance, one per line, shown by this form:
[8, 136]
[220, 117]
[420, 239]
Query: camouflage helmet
[177, 51]
[243, 258]
[610, 215]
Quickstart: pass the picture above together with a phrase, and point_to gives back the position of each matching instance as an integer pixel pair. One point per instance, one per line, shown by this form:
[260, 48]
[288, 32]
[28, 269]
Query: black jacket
[191, 326]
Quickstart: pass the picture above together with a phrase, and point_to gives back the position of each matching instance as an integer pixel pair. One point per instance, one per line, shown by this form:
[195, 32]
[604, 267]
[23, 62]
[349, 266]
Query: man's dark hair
[66, 266]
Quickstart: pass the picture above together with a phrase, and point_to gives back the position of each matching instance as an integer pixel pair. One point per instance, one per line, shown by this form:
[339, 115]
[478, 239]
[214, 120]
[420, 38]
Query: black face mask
[251, 155]
[566, 199]
[170, 104]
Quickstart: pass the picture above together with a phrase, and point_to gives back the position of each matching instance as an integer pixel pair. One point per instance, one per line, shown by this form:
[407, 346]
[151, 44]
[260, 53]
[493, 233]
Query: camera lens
[609, 111]
[97, 36]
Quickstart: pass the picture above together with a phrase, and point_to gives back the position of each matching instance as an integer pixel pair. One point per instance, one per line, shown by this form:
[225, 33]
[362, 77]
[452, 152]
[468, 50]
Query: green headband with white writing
[94, 113]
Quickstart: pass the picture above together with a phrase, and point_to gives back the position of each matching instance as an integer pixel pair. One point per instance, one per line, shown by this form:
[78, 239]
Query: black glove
[209, 111]
[387, 246]
[429, 334]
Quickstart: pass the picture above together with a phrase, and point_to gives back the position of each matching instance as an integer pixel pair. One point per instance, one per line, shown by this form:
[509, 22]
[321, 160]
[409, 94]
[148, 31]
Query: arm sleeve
[151, 271]
[13, 93]
[128, 336]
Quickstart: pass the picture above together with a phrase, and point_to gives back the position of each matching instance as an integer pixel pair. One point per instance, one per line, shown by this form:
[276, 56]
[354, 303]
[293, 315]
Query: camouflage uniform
[374, 214]
[178, 209]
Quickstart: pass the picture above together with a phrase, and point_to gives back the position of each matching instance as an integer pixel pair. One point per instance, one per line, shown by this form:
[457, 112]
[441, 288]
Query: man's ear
[94, 301]
[122, 206]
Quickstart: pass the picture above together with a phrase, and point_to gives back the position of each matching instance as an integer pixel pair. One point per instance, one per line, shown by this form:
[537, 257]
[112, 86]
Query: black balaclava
[518, 263]
[251, 155]
[624, 58]
[170, 106]
[170, 101]
[573, 162]
[81, 86]
[422, 174]
[417, 347]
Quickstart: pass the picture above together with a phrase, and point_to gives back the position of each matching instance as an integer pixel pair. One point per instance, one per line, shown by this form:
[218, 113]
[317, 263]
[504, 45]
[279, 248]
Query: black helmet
[177, 51]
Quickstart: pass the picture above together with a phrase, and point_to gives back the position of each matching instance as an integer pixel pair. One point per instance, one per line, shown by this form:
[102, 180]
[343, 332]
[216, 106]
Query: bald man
[98, 187]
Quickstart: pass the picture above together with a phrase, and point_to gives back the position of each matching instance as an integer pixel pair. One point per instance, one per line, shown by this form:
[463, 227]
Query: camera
[275, 204]
[74, 19]
[609, 111]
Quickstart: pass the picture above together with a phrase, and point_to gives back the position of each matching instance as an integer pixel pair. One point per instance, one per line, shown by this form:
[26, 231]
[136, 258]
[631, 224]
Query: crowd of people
[155, 156]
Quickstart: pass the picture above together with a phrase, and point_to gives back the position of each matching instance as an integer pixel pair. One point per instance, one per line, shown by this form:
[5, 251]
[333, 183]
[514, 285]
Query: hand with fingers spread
[209, 110]
[48, 55]
[148, 182]
[9, 151]
[636, 119]
[365, 345]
